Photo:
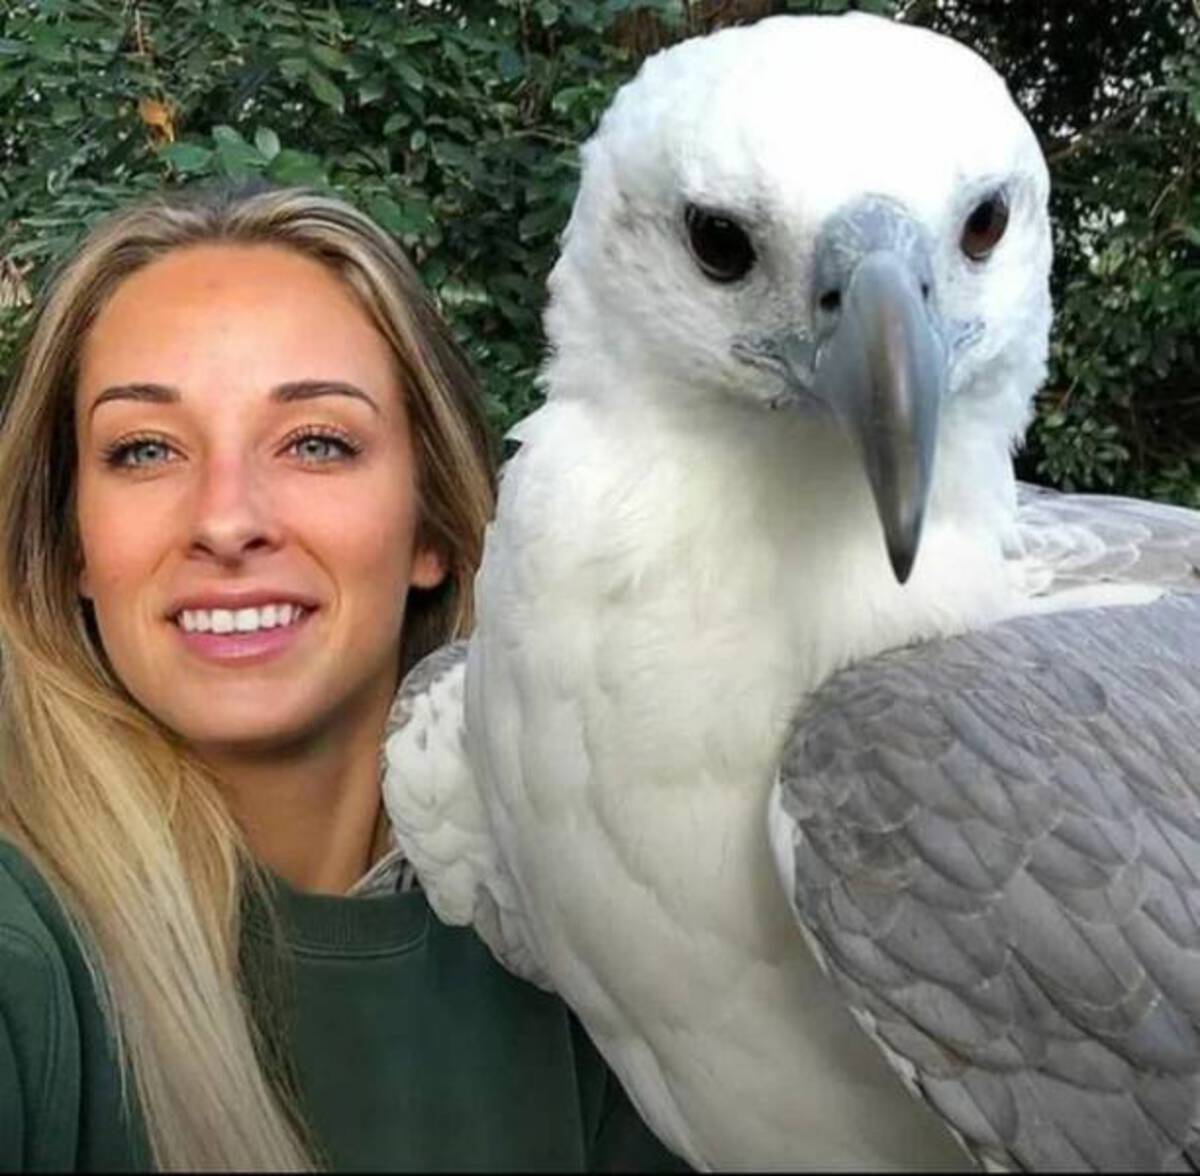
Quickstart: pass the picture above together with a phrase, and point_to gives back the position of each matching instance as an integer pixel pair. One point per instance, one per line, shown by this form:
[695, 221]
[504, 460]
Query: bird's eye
[720, 245]
[985, 226]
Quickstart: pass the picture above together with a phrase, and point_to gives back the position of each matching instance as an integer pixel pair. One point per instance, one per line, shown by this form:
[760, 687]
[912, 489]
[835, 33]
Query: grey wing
[440, 815]
[1072, 540]
[994, 842]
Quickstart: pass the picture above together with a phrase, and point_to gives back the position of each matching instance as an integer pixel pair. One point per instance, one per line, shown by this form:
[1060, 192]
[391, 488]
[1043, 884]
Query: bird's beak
[881, 368]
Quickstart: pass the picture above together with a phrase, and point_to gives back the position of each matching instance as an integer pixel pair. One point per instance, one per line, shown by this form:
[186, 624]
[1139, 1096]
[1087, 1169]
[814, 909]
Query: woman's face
[247, 501]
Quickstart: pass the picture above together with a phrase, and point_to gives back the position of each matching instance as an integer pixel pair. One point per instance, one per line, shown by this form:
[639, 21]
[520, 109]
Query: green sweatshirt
[411, 1046]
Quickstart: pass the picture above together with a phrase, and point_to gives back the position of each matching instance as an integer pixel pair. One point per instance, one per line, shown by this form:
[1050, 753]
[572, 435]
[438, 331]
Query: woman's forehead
[233, 314]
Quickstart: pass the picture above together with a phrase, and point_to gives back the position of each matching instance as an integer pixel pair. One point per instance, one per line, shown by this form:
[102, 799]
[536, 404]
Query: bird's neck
[721, 523]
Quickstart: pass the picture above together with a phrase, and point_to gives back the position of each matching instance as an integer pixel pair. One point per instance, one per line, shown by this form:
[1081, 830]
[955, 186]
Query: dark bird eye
[720, 245]
[985, 226]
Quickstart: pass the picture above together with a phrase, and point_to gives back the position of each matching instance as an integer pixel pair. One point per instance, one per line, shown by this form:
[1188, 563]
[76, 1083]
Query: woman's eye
[138, 454]
[322, 447]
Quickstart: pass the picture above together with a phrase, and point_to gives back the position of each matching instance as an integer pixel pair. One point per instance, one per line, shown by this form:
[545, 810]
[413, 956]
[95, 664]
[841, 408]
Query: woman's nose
[232, 513]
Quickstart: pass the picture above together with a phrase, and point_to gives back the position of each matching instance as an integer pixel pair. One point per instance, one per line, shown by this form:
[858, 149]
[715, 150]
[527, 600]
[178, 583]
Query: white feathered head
[837, 215]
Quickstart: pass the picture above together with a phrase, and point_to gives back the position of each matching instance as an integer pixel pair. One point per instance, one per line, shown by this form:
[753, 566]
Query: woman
[246, 485]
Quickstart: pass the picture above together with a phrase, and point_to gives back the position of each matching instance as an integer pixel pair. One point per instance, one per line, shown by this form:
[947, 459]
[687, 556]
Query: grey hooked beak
[882, 371]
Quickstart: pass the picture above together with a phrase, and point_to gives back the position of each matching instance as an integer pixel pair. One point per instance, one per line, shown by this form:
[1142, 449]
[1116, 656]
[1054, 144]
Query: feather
[431, 795]
[1092, 1000]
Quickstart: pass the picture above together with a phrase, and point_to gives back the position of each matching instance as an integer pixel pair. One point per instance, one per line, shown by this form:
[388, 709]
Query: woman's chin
[247, 726]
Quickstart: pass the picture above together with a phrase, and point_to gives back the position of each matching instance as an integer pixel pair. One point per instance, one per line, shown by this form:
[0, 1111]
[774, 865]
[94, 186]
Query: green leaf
[293, 68]
[415, 34]
[187, 158]
[329, 57]
[540, 221]
[65, 111]
[267, 141]
[287, 41]
[409, 75]
[452, 155]
[298, 167]
[396, 121]
[372, 90]
[325, 91]
[567, 97]
[236, 158]
[510, 64]
[388, 213]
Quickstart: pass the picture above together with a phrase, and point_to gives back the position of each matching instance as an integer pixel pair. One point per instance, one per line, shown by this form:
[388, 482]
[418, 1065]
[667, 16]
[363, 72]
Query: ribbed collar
[327, 924]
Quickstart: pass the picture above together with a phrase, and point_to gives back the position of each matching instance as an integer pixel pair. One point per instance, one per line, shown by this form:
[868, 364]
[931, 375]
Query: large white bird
[800, 314]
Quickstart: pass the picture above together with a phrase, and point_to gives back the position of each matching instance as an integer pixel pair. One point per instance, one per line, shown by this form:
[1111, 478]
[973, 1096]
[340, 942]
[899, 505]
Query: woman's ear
[85, 588]
[429, 568]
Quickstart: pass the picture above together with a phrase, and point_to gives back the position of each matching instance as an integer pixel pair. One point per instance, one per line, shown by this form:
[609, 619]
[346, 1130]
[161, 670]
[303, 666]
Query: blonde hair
[128, 828]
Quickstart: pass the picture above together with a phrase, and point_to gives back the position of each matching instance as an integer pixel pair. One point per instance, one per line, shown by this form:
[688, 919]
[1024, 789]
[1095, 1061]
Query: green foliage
[1113, 91]
[456, 124]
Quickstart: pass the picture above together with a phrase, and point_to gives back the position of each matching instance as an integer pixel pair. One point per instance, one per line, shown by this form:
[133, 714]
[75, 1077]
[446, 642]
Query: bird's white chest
[634, 675]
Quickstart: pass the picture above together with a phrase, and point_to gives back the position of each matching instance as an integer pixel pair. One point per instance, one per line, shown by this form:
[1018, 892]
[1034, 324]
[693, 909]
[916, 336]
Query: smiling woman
[247, 486]
[266, 475]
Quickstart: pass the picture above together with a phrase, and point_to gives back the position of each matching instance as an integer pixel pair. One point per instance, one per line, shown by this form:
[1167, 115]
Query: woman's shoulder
[32, 927]
[35, 935]
[23, 891]
[39, 1032]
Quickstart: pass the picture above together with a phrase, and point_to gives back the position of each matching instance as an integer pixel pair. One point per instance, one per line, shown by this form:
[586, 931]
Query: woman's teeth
[240, 620]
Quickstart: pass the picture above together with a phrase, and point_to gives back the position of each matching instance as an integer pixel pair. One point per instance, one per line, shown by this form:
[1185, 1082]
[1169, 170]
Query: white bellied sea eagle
[847, 791]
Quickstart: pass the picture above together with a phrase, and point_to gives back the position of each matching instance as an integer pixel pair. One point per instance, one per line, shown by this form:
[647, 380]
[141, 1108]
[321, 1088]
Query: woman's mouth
[242, 635]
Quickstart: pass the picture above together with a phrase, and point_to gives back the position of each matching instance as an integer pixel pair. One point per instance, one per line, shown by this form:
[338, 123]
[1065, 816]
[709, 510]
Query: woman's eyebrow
[311, 389]
[285, 393]
[148, 393]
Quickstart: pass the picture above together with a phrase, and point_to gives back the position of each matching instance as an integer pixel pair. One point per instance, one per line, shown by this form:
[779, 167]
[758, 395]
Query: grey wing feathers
[995, 842]
[418, 683]
[440, 816]
[428, 784]
[1081, 539]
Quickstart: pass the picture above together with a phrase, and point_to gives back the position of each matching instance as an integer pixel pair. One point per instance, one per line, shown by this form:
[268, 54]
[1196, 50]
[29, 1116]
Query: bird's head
[833, 216]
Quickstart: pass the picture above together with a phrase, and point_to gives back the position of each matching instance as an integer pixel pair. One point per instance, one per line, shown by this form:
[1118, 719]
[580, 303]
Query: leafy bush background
[456, 124]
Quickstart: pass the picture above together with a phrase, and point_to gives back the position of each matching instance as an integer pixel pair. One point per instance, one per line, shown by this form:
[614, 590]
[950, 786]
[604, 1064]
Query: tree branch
[1086, 137]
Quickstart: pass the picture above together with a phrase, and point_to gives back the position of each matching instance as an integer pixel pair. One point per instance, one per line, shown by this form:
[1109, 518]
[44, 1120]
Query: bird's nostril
[926, 290]
[831, 301]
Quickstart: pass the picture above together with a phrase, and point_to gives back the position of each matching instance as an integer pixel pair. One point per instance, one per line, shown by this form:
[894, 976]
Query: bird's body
[650, 826]
[686, 549]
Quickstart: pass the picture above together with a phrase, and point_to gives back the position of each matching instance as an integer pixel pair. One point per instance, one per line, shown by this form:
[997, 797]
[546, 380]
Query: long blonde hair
[127, 827]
